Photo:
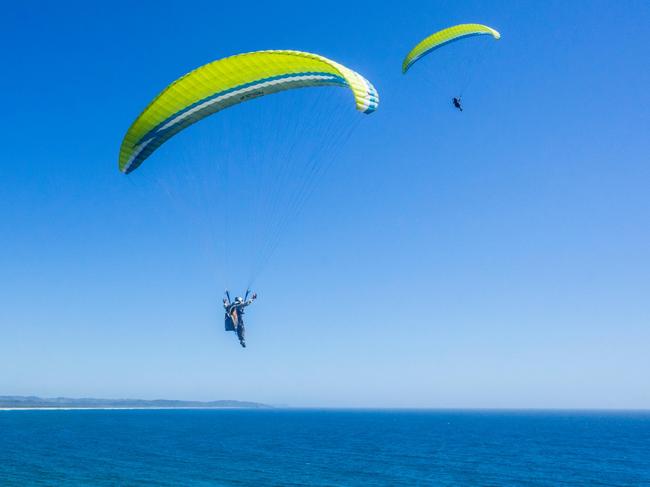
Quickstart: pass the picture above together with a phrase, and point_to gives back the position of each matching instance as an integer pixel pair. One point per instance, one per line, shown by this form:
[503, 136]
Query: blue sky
[495, 258]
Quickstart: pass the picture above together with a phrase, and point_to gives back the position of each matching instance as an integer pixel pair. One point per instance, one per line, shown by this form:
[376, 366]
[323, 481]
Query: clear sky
[494, 258]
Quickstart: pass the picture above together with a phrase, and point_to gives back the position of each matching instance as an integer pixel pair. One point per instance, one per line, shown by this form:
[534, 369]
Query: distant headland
[33, 402]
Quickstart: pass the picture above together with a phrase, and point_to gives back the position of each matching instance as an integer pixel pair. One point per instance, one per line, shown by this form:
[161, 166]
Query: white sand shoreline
[72, 408]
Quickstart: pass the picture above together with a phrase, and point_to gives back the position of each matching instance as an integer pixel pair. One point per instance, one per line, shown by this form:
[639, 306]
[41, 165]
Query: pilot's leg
[241, 334]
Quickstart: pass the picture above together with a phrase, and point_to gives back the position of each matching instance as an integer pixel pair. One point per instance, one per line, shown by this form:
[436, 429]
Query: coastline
[111, 408]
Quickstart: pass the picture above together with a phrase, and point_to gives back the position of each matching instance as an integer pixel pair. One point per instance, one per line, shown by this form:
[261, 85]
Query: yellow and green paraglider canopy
[444, 37]
[227, 82]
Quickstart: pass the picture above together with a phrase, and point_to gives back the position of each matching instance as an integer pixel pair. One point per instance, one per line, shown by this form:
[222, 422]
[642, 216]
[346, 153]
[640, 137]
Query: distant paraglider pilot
[234, 319]
[457, 104]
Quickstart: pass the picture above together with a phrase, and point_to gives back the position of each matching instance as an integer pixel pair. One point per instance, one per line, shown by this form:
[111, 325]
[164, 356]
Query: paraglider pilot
[234, 319]
[456, 102]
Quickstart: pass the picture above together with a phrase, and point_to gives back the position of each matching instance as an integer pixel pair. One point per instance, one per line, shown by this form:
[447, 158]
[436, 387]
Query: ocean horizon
[319, 447]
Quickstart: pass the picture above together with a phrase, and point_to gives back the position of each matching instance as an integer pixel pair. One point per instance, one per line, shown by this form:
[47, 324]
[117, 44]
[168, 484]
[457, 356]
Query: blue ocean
[288, 447]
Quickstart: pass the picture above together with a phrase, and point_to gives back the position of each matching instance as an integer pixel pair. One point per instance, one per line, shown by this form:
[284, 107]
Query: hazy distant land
[33, 402]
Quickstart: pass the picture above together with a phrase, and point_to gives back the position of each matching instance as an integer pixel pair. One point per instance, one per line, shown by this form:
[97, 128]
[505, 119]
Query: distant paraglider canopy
[443, 37]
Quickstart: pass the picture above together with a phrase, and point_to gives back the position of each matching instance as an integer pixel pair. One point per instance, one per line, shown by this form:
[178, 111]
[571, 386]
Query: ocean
[288, 447]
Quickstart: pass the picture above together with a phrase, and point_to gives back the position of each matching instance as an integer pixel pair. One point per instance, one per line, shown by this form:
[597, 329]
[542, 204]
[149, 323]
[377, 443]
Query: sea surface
[286, 447]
